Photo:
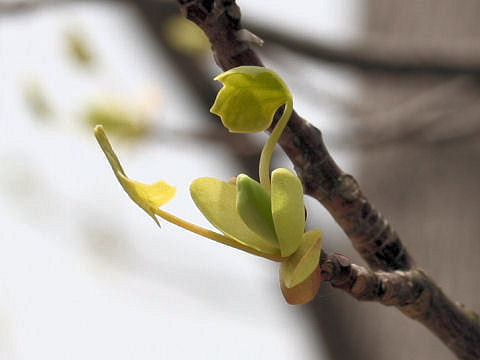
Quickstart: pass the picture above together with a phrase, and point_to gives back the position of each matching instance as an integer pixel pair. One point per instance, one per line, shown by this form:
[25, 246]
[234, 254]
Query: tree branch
[411, 290]
[414, 294]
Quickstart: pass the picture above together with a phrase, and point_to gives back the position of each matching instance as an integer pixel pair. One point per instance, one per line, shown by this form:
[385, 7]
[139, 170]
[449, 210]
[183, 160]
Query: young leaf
[216, 200]
[249, 98]
[303, 262]
[254, 207]
[287, 210]
[305, 291]
[148, 197]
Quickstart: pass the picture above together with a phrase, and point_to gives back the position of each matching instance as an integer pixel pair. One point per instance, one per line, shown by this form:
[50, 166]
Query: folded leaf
[254, 207]
[249, 98]
[216, 200]
[303, 262]
[303, 292]
[148, 197]
[287, 210]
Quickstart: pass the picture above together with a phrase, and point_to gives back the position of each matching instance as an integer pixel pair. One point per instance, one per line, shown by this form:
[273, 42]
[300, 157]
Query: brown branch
[398, 288]
[383, 53]
[413, 293]
[369, 232]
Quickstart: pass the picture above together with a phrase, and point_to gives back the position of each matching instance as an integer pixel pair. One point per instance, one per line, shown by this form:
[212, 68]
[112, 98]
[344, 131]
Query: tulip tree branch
[414, 293]
[400, 282]
[402, 288]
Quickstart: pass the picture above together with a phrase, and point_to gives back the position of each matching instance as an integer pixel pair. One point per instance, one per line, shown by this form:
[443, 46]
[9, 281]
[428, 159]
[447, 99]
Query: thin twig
[382, 53]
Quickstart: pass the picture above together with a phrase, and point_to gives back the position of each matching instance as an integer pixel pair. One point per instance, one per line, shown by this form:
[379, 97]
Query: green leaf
[216, 200]
[287, 210]
[303, 262]
[148, 197]
[249, 98]
[255, 209]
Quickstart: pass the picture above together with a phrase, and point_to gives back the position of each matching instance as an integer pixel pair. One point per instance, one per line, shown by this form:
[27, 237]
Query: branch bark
[414, 293]
[400, 283]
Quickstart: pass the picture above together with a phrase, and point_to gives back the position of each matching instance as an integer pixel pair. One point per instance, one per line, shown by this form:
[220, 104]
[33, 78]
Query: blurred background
[85, 274]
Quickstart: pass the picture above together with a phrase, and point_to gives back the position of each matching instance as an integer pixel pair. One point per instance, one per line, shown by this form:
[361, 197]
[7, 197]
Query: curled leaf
[303, 262]
[249, 98]
[254, 207]
[287, 210]
[216, 200]
[148, 197]
[303, 292]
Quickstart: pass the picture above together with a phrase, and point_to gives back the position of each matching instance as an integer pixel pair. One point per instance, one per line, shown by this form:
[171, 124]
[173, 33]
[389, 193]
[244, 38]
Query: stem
[264, 168]
[213, 235]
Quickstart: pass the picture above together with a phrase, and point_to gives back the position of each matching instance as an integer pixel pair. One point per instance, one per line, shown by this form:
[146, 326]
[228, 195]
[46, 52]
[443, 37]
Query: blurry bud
[78, 47]
[35, 99]
[119, 116]
[185, 36]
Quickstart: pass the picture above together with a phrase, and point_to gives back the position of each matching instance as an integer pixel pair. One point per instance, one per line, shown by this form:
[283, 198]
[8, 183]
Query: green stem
[212, 235]
[264, 168]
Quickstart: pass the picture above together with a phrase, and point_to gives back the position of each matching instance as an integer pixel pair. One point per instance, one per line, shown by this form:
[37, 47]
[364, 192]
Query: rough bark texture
[414, 294]
[371, 235]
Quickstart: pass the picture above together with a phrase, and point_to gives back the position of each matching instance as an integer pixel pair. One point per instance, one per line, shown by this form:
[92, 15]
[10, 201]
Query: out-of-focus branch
[424, 111]
[380, 53]
[10, 6]
[426, 118]
[369, 232]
